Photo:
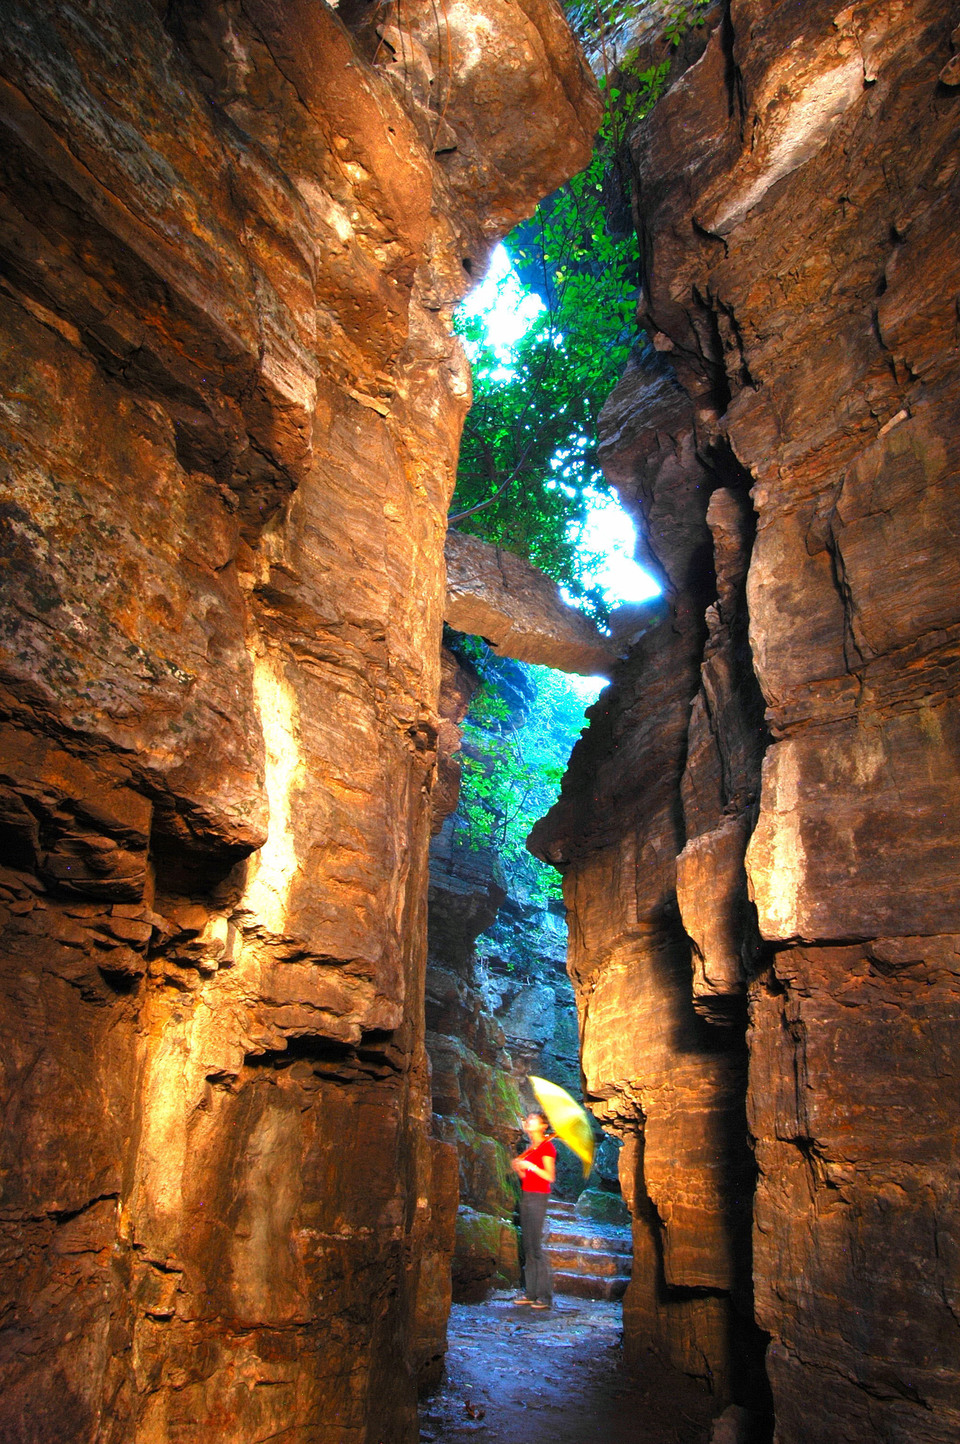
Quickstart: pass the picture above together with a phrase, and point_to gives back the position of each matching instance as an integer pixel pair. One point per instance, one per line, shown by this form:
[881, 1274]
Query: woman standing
[537, 1169]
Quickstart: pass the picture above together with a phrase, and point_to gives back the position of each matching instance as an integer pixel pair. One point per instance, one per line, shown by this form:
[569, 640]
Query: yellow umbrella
[567, 1119]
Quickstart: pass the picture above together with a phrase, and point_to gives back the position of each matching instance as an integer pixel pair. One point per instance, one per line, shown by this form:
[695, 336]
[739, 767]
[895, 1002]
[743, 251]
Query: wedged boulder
[493, 594]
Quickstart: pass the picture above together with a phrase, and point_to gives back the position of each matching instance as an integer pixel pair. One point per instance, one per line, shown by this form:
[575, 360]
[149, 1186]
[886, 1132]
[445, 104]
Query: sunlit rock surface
[231, 237]
[791, 443]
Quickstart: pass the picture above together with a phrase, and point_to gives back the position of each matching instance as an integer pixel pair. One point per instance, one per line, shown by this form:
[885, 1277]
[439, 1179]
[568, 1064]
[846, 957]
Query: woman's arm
[548, 1171]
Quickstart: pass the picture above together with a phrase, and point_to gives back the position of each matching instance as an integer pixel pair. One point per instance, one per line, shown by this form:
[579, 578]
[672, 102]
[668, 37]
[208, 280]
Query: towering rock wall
[231, 238]
[790, 442]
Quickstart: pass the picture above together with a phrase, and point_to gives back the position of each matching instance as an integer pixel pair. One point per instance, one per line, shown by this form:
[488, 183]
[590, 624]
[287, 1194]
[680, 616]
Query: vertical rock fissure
[660, 799]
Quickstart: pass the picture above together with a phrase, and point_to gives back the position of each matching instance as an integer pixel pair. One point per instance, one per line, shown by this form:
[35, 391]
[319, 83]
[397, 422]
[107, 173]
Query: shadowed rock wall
[230, 239]
[475, 1101]
[790, 441]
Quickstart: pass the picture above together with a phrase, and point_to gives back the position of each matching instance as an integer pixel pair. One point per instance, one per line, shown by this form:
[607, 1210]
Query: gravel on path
[517, 1376]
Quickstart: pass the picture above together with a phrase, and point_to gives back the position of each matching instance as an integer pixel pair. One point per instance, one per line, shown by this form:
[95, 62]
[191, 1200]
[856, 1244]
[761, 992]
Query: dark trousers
[537, 1273]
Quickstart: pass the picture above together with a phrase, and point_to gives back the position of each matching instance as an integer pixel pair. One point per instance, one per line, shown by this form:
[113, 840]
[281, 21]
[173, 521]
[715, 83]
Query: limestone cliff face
[231, 237]
[764, 814]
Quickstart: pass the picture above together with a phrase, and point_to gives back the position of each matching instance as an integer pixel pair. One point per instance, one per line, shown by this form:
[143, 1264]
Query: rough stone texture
[798, 189]
[589, 1246]
[493, 594]
[457, 687]
[526, 990]
[476, 1104]
[230, 238]
[658, 1070]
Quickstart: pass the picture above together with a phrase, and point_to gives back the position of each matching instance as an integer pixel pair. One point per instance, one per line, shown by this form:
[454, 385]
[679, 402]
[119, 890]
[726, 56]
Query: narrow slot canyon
[310, 858]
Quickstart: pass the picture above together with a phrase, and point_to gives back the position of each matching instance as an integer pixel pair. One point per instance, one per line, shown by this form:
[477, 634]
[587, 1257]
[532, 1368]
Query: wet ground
[515, 1376]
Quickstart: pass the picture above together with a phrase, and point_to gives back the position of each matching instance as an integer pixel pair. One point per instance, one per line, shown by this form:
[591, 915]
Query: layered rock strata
[231, 237]
[669, 1078]
[763, 814]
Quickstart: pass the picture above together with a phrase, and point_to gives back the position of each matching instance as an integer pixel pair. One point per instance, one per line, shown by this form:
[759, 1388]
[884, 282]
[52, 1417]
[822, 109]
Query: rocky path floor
[519, 1377]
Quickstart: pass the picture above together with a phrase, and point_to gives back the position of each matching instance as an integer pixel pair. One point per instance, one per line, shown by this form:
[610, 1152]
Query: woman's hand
[548, 1173]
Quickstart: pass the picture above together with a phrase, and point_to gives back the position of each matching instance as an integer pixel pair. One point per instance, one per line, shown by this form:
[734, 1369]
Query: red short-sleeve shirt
[532, 1182]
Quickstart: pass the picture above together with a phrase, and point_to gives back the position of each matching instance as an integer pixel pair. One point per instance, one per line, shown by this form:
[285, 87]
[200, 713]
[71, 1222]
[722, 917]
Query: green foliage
[599, 23]
[511, 769]
[528, 463]
[528, 444]
[488, 709]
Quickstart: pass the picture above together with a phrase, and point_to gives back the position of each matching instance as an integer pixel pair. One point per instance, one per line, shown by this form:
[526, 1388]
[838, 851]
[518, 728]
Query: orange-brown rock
[797, 193]
[231, 237]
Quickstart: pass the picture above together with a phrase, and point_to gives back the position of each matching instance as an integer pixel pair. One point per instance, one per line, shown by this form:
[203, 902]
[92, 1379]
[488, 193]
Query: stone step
[584, 1287]
[589, 1260]
[584, 1237]
[589, 1263]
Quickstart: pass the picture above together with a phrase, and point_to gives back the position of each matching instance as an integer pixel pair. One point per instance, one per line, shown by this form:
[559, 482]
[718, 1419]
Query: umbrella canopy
[567, 1119]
